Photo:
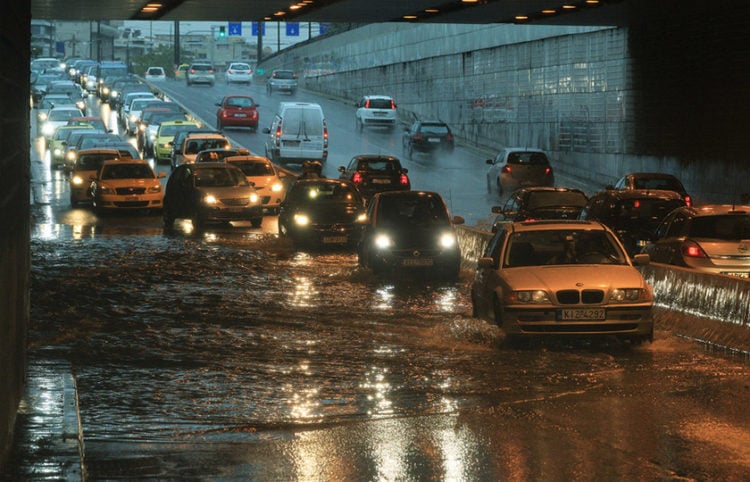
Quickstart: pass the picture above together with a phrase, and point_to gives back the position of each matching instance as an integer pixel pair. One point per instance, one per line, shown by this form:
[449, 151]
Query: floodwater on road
[228, 355]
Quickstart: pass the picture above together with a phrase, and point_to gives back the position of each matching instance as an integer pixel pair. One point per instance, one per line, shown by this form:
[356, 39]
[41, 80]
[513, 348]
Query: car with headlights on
[410, 232]
[148, 126]
[56, 117]
[632, 214]
[84, 169]
[58, 143]
[373, 173]
[321, 212]
[126, 184]
[530, 203]
[237, 111]
[562, 278]
[516, 167]
[210, 192]
[263, 175]
[712, 238]
[165, 137]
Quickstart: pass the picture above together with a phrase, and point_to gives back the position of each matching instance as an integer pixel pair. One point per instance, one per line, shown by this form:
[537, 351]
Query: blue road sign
[235, 29]
[292, 29]
[254, 28]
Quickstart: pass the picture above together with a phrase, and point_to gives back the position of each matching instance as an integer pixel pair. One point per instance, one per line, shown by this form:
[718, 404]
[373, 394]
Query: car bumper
[414, 260]
[326, 235]
[234, 213]
[141, 201]
[538, 321]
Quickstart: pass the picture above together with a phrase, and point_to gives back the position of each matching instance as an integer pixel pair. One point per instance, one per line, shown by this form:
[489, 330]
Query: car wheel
[474, 309]
[257, 222]
[498, 311]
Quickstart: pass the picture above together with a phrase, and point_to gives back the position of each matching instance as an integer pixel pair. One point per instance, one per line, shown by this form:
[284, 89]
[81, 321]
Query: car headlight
[77, 180]
[133, 118]
[71, 155]
[57, 152]
[81, 104]
[42, 116]
[114, 94]
[254, 198]
[209, 199]
[154, 189]
[48, 129]
[629, 295]
[104, 189]
[105, 90]
[142, 127]
[277, 187]
[383, 241]
[528, 296]
[301, 219]
[447, 240]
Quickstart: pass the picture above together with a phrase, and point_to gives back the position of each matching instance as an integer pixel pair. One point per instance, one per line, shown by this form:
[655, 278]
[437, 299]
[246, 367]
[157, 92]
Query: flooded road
[229, 356]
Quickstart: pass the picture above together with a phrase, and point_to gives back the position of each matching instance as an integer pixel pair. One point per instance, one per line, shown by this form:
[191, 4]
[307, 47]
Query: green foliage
[162, 56]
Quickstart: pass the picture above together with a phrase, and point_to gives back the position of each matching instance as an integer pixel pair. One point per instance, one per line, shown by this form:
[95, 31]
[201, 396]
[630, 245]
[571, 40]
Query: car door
[486, 279]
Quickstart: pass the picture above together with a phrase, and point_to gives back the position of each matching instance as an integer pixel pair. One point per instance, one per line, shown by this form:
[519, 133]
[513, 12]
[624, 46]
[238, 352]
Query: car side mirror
[489, 161]
[458, 220]
[266, 130]
[642, 259]
[342, 169]
[218, 104]
[486, 263]
[405, 170]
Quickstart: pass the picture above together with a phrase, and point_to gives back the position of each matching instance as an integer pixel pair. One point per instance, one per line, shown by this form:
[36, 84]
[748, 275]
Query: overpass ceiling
[547, 12]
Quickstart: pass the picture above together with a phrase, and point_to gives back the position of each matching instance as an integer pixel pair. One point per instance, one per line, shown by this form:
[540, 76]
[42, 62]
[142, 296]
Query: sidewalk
[48, 441]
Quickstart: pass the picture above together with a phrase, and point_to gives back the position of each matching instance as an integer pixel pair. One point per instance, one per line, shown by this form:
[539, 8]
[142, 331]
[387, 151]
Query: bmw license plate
[335, 239]
[417, 262]
[582, 314]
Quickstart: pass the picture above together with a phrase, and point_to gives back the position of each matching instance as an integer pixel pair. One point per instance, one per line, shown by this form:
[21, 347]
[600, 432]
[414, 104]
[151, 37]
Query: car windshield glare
[219, 177]
[723, 227]
[562, 247]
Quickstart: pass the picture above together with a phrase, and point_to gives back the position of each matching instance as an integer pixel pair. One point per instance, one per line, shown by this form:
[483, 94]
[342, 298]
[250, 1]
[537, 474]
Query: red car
[237, 111]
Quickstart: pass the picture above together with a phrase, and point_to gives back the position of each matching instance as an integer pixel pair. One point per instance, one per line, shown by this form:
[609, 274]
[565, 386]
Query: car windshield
[283, 74]
[93, 162]
[62, 115]
[378, 104]
[127, 171]
[171, 130]
[254, 168]
[529, 158]
[378, 165]
[239, 67]
[562, 247]
[197, 145]
[666, 184]
[307, 193]
[437, 129]
[412, 211]
[544, 199]
[239, 102]
[219, 177]
[727, 227]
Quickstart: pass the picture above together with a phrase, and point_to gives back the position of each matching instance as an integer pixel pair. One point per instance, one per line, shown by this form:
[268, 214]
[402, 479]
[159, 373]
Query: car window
[254, 168]
[437, 129]
[723, 227]
[93, 162]
[378, 165]
[666, 184]
[529, 158]
[301, 122]
[127, 171]
[239, 102]
[378, 104]
[283, 74]
[307, 193]
[635, 211]
[239, 67]
[218, 177]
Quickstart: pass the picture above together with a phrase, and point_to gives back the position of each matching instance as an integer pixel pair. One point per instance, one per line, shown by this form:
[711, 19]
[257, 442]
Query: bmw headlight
[528, 296]
[301, 219]
[628, 295]
[447, 240]
[383, 241]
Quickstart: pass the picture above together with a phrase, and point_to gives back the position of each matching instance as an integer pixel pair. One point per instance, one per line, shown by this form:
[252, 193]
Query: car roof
[639, 194]
[716, 209]
[126, 160]
[408, 194]
[657, 175]
[556, 224]
[205, 135]
[523, 149]
[248, 157]
[379, 157]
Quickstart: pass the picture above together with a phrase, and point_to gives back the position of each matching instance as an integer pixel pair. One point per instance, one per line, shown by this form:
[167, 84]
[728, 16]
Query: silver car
[517, 167]
[200, 73]
[713, 238]
[562, 278]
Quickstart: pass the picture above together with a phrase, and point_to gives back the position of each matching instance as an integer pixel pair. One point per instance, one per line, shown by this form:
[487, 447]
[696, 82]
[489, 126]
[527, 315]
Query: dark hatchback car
[653, 180]
[427, 136]
[410, 232]
[210, 192]
[322, 213]
[373, 173]
[531, 203]
[632, 214]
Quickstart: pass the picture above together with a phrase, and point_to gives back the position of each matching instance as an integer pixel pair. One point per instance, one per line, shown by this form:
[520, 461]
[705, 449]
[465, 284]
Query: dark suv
[373, 173]
[282, 81]
[427, 136]
[633, 214]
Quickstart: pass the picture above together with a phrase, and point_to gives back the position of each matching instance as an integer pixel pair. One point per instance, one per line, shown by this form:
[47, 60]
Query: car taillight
[231, 71]
[393, 105]
[367, 104]
[325, 134]
[210, 71]
[688, 201]
[357, 177]
[505, 169]
[690, 249]
[417, 137]
[192, 71]
[548, 171]
[403, 179]
[278, 134]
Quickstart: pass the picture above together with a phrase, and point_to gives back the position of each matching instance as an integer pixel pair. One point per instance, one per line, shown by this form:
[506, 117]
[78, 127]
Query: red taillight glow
[367, 104]
[449, 137]
[403, 179]
[548, 171]
[278, 134]
[325, 134]
[393, 104]
[230, 71]
[636, 204]
[688, 201]
[505, 169]
[691, 249]
[357, 177]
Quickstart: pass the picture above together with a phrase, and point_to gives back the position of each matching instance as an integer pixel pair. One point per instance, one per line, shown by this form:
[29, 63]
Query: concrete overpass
[688, 66]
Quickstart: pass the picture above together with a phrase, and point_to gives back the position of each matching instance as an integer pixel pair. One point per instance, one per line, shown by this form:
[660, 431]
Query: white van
[298, 133]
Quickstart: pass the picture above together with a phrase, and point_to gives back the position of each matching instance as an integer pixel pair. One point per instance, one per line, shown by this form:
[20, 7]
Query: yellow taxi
[85, 167]
[127, 184]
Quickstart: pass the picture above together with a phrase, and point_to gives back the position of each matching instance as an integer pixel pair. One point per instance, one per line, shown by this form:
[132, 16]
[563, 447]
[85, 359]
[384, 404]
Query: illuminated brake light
[278, 134]
[547, 171]
[367, 104]
[505, 169]
[636, 204]
[403, 179]
[357, 177]
[325, 134]
[688, 201]
[393, 104]
[691, 249]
